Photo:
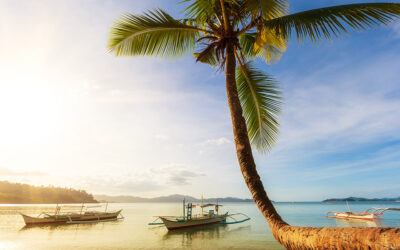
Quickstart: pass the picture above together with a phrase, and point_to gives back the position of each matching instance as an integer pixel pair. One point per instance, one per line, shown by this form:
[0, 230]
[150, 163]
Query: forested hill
[15, 193]
[362, 199]
[169, 198]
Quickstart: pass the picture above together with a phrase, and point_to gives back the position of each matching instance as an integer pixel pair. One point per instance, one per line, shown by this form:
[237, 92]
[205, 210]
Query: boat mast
[184, 209]
[56, 212]
[201, 204]
[83, 205]
[348, 206]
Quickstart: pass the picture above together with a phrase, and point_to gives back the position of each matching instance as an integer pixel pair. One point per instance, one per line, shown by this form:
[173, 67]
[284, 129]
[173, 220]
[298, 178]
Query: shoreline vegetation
[17, 193]
[361, 199]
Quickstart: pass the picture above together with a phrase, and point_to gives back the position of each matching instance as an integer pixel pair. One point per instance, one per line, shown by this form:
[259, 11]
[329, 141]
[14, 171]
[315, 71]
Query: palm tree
[230, 34]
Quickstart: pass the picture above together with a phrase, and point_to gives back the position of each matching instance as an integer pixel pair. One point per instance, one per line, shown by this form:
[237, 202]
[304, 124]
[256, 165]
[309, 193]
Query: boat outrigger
[189, 220]
[83, 216]
[369, 214]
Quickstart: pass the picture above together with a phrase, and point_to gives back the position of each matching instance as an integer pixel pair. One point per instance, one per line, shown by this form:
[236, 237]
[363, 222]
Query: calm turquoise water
[134, 233]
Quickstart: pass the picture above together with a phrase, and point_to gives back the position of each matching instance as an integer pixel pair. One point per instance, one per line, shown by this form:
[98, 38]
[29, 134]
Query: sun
[30, 110]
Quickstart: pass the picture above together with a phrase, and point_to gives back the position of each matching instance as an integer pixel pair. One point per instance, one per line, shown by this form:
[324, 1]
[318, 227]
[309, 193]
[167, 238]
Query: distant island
[361, 199]
[170, 198]
[16, 193]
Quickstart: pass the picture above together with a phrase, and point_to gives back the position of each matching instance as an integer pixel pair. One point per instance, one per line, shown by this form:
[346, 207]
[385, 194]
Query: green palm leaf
[153, 34]
[265, 45]
[207, 56]
[202, 10]
[261, 102]
[247, 42]
[332, 21]
[268, 9]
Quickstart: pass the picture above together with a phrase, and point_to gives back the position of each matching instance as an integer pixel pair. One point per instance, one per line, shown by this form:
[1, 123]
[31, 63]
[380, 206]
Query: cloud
[334, 110]
[161, 137]
[8, 172]
[218, 142]
[119, 185]
[145, 182]
[177, 174]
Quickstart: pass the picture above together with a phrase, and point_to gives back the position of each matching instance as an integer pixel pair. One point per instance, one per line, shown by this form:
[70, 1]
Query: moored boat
[352, 215]
[83, 216]
[203, 219]
[369, 214]
[176, 223]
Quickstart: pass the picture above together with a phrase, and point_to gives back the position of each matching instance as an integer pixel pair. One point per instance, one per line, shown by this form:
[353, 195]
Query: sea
[133, 232]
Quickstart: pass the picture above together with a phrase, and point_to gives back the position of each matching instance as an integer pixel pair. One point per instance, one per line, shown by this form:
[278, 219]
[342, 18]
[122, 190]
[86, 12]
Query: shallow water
[134, 233]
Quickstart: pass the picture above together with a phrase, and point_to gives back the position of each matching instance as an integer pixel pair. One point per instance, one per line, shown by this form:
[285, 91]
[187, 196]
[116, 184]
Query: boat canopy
[204, 205]
[81, 205]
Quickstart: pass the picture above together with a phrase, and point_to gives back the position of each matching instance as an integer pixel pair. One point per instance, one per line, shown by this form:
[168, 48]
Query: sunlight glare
[30, 110]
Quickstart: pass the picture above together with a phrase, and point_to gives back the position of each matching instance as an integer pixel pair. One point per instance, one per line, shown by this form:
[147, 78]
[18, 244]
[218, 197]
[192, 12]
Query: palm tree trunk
[289, 236]
[243, 148]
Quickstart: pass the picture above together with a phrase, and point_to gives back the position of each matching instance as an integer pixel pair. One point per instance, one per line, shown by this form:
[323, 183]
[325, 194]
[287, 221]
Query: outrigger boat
[83, 216]
[369, 214]
[189, 220]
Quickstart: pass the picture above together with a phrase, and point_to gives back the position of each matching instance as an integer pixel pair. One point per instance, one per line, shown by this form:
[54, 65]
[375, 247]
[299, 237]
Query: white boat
[189, 220]
[352, 215]
[207, 219]
[369, 214]
[82, 216]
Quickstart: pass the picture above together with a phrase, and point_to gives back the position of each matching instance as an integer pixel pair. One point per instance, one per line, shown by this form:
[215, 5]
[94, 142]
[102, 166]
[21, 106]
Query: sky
[74, 115]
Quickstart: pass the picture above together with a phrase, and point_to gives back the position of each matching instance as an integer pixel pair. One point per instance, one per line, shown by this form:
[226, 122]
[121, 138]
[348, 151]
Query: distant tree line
[11, 193]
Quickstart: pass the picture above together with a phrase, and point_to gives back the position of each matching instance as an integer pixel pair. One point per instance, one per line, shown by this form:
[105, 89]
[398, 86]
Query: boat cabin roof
[210, 205]
[205, 205]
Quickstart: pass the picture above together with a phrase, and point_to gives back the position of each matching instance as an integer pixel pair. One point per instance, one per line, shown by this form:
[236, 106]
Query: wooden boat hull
[72, 218]
[195, 222]
[352, 215]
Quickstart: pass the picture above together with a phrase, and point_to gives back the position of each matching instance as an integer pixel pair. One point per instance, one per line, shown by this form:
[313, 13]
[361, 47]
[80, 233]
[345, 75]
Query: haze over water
[134, 233]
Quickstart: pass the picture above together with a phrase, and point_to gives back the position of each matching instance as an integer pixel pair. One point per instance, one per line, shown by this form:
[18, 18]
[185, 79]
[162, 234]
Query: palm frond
[207, 56]
[261, 102]
[155, 33]
[267, 9]
[265, 45]
[246, 42]
[202, 10]
[269, 46]
[332, 21]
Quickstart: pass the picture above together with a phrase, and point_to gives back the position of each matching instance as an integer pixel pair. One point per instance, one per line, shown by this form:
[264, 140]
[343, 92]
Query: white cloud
[120, 185]
[218, 142]
[161, 137]
[342, 109]
[177, 174]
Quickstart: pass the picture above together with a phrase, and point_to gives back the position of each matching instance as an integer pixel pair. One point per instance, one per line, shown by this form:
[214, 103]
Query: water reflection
[52, 227]
[360, 223]
[212, 231]
[187, 236]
